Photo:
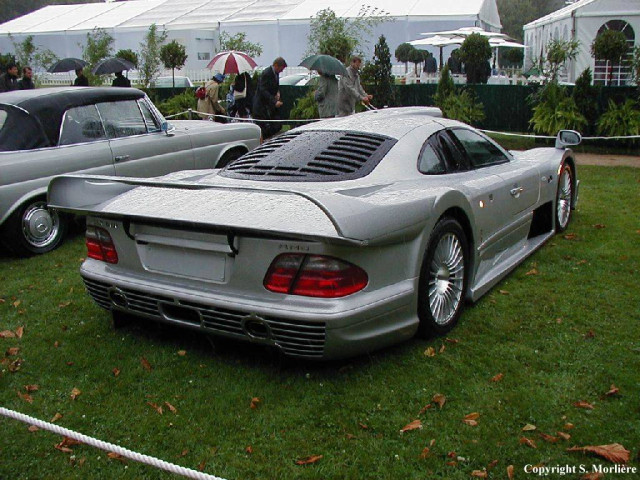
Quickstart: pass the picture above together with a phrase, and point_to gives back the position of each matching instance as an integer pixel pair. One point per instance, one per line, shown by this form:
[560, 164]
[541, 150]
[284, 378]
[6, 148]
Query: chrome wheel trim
[40, 226]
[563, 204]
[446, 279]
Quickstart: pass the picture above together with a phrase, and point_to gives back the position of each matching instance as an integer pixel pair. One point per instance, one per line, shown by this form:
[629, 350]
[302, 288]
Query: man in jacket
[210, 104]
[9, 79]
[350, 90]
[266, 100]
[81, 80]
[327, 95]
[121, 81]
[26, 82]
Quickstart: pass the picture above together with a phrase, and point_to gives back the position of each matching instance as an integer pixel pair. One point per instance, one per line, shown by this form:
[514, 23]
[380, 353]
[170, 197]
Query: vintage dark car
[111, 131]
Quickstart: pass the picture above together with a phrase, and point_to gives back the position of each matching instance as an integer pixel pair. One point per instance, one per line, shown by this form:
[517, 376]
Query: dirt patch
[608, 160]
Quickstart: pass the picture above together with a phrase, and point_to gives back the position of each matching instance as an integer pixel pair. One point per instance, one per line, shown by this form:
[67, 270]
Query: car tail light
[314, 276]
[100, 245]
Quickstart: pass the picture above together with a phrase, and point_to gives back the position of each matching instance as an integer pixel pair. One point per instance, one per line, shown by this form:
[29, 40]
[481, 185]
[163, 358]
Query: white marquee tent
[582, 21]
[281, 26]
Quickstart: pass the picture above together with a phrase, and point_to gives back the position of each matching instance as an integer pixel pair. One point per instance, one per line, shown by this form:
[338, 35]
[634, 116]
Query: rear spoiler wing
[321, 215]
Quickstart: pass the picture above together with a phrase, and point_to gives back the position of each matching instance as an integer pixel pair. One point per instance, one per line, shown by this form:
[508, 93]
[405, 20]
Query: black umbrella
[66, 65]
[324, 63]
[112, 65]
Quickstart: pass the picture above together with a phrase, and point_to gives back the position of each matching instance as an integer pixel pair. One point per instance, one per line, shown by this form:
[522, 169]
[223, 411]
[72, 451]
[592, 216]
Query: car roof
[48, 105]
[392, 122]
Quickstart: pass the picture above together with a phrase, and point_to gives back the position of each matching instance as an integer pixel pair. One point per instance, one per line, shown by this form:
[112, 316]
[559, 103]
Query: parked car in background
[300, 79]
[336, 238]
[111, 131]
[167, 82]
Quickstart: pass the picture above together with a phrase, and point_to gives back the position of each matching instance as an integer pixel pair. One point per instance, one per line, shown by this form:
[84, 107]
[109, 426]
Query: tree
[150, 54]
[559, 52]
[173, 55]
[475, 53]
[612, 46]
[445, 88]
[341, 37]
[98, 46]
[28, 54]
[403, 54]
[586, 97]
[239, 43]
[129, 55]
[416, 57]
[382, 78]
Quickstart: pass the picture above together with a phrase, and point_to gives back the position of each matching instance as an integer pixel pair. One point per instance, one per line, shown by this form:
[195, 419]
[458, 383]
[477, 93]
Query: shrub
[556, 111]
[475, 53]
[586, 97]
[179, 103]
[620, 119]
[305, 107]
[445, 88]
[465, 107]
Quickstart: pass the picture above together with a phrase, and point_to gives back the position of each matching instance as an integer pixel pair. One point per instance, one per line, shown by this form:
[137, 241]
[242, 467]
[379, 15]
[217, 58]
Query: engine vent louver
[312, 156]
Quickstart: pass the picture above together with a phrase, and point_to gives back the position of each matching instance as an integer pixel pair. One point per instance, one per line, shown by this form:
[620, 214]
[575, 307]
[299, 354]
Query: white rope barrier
[108, 447]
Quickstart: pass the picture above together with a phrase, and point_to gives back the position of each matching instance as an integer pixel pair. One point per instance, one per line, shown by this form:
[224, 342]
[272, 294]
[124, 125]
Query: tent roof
[588, 8]
[208, 13]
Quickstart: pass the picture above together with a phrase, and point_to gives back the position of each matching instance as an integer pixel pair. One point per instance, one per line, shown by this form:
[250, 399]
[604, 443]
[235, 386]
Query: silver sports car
[330, 240]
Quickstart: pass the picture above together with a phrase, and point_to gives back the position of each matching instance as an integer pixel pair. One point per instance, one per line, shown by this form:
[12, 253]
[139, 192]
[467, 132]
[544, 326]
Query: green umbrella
[326, 64]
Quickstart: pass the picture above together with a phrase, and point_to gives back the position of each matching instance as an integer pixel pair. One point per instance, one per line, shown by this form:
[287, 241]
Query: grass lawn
[561, 329]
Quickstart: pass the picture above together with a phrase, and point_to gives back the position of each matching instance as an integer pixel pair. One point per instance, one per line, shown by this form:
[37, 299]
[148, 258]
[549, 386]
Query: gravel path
[608, 160]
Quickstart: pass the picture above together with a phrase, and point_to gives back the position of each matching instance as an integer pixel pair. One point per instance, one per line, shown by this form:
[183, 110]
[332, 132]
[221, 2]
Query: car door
[139, 146]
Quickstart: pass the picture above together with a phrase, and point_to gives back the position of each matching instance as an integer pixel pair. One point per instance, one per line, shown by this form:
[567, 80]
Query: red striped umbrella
[232, 62]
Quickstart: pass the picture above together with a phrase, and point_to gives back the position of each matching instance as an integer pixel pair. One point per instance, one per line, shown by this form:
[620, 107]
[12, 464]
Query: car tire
[564, 198]
[443, 279]
[229, 157]
[34, 229]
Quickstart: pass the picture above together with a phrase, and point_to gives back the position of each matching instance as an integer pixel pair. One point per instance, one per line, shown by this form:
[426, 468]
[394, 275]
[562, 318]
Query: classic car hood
[360, 216]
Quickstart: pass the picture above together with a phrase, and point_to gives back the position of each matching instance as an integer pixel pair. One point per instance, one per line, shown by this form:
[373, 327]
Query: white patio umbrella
[466, 31]
[437, 41]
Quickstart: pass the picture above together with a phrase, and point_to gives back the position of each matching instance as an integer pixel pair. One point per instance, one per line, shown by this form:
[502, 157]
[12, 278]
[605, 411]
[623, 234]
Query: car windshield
[19, 130]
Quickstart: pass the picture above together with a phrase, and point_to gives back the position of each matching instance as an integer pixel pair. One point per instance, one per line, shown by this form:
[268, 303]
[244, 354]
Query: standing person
[120, 81]
[209, 104]
[26, 82]
[350, 90]
[327, 95]
[9, 79]
[243, 94]
[266, 101]
[81, 80]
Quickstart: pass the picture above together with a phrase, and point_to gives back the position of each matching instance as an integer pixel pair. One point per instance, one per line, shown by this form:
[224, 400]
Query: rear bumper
[297, 330]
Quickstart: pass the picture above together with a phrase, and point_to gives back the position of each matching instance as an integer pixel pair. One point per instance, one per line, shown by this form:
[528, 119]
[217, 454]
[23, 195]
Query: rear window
[312, 156]
[20, 131]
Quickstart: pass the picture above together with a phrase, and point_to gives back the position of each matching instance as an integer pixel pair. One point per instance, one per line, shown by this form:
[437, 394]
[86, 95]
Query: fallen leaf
[157, 408]
[471, 423]
[56, 344]
[308, 460]
[255, 401]
[17, 303]
[184, 452]
[67, 442]
[425, 408]
[528, 442]
[116, 456]
[64, 304]
[442, 348]
[171, 407]
[439, 399]
[416, 424]
[452, 454]
[19, 332]
[528, 428]
[31, 388]
[452, 464]
[564, 436]
[568, 426]
[613, 390]
[75, 393]
[581, 262]
[549, 438]
[582, 404]
[15, 365]
[12, 351]
[7, 334]
[452, 340]
[425, 453]
[592, 476]
[479, 474]
[202, 464]
[614, 452]
[56, 417]
[116, 371]
[510, 472]
[492, 464]
[589, 334]
[33, 428]
[599, 226]
[249, 449]
[363, 426]
[430, 352]
[472, 416]
[182, 353]
[25, 396]
[145, 363]
[504, 292]
[497, 377]
[432, 442]
[533, 271]
[570, 236]
[350, 436]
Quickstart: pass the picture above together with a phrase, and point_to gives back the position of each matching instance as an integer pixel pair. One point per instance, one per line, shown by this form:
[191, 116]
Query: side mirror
[568, 138]
[168, 128]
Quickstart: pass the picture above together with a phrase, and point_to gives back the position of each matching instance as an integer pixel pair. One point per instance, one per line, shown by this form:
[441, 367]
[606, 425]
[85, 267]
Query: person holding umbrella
[81, 80]
[350, 90]
[121, 81]
[209, 104]
[327, 95]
